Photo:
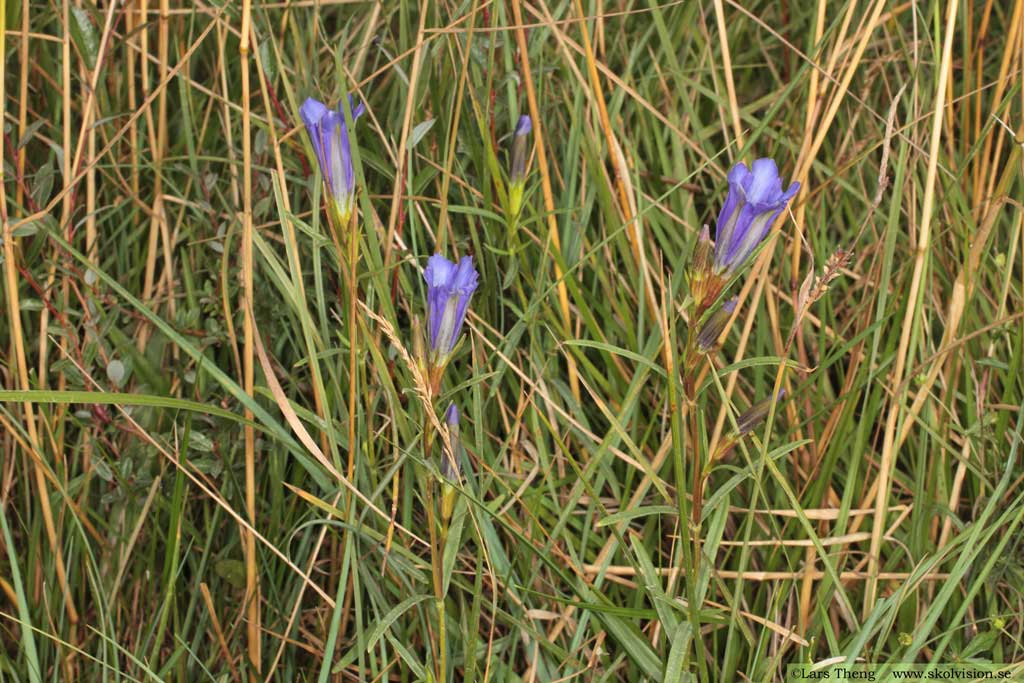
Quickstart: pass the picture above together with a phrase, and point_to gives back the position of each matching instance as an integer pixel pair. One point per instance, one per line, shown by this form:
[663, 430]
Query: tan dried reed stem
[252, 588]
[22, 102]
[730, 86]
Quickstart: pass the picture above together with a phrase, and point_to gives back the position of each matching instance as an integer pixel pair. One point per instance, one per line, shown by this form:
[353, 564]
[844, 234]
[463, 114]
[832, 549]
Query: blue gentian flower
[327, 132]
[755, 199]
[449, 288]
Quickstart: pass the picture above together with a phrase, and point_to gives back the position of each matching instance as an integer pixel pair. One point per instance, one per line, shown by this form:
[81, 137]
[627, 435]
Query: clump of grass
[211, 418]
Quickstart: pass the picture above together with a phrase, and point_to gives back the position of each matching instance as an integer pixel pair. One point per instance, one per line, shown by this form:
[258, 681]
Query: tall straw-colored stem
[252, 588]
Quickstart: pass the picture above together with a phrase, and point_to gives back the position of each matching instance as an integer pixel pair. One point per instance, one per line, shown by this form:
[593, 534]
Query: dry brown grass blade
[252, 586]
[754, 575]
[218, 632]
[730, 86]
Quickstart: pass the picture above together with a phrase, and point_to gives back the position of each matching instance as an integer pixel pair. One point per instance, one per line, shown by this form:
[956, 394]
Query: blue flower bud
[450, 461]
[517, 172]
[708, 335]
[523, 128]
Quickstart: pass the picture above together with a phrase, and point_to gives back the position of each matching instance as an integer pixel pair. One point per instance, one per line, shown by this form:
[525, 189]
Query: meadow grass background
[164, 514]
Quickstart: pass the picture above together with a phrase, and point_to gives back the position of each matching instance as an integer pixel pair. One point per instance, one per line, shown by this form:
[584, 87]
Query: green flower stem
[691, 438]
[436, 551]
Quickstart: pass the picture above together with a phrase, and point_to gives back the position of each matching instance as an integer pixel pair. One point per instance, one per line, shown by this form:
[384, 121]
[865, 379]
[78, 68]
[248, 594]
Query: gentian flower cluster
[755, 200]
[329, 136]
[450, 286]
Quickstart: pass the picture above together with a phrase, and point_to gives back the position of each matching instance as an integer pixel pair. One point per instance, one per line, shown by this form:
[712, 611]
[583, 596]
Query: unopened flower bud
[708, 336]
[705, 285]
[517, 172]
[450, 461]
[700, 260]
[756, 414]
[450, 467]
[519, 148]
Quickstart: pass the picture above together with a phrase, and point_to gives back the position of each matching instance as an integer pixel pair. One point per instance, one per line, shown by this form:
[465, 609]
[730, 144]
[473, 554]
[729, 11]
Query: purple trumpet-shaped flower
[327, 132]
[755, 199]
[449, 288]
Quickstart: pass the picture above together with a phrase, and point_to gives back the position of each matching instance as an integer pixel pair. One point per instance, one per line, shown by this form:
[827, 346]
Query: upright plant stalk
[697, 481]
[679, 445]
[754, 201]
[353, 259]
[252, 588]
[692, 439]
[329, 136]
[352, 224]
[439, 526]
[22, 102]
[436, 552]
[450, 286]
